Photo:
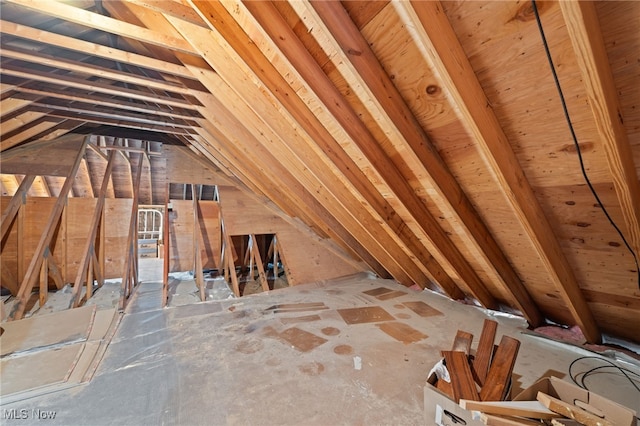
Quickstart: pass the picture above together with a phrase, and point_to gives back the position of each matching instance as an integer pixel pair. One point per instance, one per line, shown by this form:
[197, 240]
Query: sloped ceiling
[426, 138]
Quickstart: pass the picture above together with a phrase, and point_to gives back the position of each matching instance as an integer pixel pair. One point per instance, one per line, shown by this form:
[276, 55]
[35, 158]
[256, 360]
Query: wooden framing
[10, 212]
[584, 31]
[31, 274]
[444, 52]
[130, 270]
[88, 263]
[197, 255]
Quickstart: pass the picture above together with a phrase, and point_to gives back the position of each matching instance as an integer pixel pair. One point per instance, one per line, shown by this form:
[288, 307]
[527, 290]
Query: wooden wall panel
[79, 212]
[210, 234]
[308, 258]
[9, 255]
[117, 218]
[181, 235]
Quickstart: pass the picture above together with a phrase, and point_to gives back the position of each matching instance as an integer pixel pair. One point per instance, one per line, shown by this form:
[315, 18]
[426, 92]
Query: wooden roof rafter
[278, 88]
[377, 160]
[443, 50]
[584, 31]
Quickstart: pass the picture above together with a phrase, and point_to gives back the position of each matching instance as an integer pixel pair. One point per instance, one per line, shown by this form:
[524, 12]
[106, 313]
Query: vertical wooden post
[20, 246]
[44, 281]
[259, 266]
[197, 256]
[166, 253]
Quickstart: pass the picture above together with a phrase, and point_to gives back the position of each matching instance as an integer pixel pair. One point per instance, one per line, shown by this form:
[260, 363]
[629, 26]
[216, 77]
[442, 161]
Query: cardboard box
[572, 394]
[439, 410]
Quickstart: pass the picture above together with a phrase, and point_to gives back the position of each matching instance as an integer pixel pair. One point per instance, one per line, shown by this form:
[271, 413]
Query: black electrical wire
[624, 371]
[575, 138]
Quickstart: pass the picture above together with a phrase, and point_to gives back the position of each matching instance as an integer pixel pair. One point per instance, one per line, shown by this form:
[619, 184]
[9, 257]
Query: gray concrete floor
[240, 361]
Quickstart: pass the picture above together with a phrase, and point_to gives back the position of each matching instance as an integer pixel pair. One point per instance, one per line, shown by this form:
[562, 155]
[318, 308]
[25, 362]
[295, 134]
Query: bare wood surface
[482, 359]
[36, 261]
[464, 387]
[89, 245]
[448, 58]
[10, 211]
[571, 411]
[499, 376]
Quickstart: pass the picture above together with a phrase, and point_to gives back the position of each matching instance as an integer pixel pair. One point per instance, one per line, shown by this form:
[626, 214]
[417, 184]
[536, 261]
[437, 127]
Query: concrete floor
[249, 362]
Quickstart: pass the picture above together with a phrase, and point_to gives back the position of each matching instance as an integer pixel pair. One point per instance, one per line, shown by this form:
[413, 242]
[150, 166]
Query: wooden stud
[197, 256]
[259, 266]
[443, 50]
[44, 280]
[166, 238]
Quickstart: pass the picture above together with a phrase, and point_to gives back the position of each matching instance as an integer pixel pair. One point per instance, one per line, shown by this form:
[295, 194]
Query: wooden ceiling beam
[91, 118]
[40, 58]
[112, 114]
[89, 19]
[583, 26]
[314, 169]
[61, 92]
[212, 78]
[92, 86]
[21, 120]
[300, 59]
[442, 49]
[106, 52]
[30, 131]
[367, 72]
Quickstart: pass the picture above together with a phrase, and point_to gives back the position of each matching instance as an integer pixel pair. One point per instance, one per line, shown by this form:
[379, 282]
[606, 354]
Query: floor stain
[378, 291]
[422, 309]
[300, 339]
[306, 318]
[399, 306]
[343, 350]
[330, 331]
[312, 368]
[391, 295]
[365, 314]
[403, 316]
[402, 332]
[249, 346]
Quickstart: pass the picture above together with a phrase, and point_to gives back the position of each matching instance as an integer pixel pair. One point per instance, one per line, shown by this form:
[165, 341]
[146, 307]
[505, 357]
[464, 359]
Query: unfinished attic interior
[254, 212]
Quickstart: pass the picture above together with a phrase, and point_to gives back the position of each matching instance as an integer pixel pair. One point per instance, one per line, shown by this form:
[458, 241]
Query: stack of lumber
[481, 383]
[485, 376]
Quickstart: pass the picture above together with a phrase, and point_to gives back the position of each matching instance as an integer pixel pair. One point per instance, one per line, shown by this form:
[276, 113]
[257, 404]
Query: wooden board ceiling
[426, 138]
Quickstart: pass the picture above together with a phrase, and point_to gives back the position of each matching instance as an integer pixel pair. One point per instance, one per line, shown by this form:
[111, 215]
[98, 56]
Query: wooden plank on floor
[499, 375]
[422, 309]
[402, 332]
[365, 314]
[464, 387]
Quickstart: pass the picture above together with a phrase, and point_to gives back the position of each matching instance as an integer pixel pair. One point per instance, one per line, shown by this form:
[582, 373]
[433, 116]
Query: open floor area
[351, 351]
